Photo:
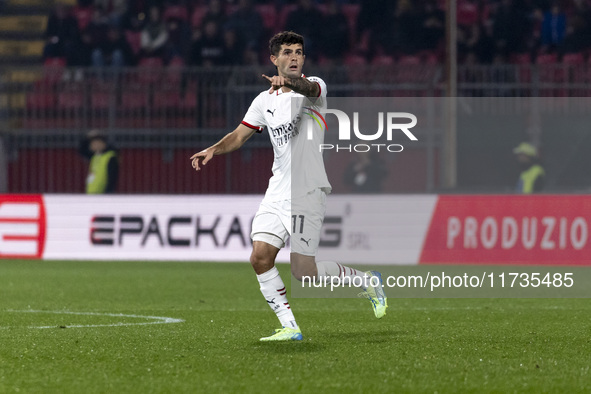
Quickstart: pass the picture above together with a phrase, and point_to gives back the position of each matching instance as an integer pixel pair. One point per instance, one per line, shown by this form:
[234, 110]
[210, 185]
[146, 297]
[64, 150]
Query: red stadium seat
[573, 58]
[133, 98]
[150, 69]
[356, 74]
[547, 58]
[174, 71]
[382, 60]
[40, 100]
[176, 12]
[100, 100]
[524, 60]
[355, 60]
[53, 69]
[430, 58]
[71, 99]
[548, 73]
[409, 60]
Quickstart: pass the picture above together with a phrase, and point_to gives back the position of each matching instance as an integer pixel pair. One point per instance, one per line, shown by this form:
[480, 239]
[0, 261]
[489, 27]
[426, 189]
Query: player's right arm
[229, 143]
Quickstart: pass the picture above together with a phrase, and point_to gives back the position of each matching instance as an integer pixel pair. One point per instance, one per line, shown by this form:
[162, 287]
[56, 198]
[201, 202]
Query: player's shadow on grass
[382, 336]
[291, 347]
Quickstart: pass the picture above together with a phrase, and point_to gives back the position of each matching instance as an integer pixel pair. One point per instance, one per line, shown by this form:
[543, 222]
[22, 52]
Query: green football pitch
[155, 327]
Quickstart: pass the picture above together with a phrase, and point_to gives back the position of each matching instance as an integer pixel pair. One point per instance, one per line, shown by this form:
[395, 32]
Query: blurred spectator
[406, 29]
[99, 25]
[215, 13]
[334, 35]
[179, 37]
[62, 33]
[374, 23]
[232, 49]
[133, 21]
[82, 56]
[366, 173]
[511, 27]
[114, 51]
[553, 28]
[154, 35]
[207, 48]
[433, 26]
[103, 171]
[115, 9]
[495, 28]
[577, 38]
[247, 23]
[474, 39]
[307, 21]
[532, 176]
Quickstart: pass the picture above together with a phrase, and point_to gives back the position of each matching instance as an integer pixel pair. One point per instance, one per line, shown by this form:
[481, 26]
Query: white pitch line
[158, 319]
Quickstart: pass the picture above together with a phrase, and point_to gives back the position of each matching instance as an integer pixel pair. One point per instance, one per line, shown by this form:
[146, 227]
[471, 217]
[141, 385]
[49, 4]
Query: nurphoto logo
[394, 122]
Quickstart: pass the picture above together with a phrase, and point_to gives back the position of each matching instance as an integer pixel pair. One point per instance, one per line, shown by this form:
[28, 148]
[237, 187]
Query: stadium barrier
[372, 229]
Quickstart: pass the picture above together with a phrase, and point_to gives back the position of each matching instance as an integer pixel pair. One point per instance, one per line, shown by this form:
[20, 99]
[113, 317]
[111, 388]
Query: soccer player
[285, 210]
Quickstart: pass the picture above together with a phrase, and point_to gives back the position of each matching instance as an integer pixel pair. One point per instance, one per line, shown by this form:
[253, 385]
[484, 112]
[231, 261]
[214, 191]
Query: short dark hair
[284, 38]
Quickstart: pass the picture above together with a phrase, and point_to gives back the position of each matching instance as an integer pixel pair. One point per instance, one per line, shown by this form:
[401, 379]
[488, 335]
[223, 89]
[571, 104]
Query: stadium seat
[356, 74]
[176, 12]
[547, 58]
[134, 106]
[409, 60]
[355, 60]
[382, 60]
[71, 98]
[100, 99]
[572, 71]
[430, 58]
[523, 60]
[40, 100]
[548, 72]
[573, 58]
[53, 69]
[134, 97]
[150, 69]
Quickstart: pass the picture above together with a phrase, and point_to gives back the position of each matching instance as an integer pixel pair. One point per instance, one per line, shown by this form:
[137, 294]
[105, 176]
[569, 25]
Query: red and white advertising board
[540, 229]
[379, 229]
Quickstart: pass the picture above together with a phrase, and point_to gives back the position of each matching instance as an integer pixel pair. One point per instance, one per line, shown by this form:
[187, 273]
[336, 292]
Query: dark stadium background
[163, 106]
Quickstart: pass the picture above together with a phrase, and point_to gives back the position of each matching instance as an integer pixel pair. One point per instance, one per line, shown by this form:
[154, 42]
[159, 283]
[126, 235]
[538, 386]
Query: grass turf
[422, 345]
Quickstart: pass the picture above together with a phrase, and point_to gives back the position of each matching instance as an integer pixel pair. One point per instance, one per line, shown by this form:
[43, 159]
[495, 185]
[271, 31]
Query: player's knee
[260, 260]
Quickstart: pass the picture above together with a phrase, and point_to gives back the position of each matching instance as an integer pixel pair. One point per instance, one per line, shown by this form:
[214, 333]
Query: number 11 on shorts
[294, 219]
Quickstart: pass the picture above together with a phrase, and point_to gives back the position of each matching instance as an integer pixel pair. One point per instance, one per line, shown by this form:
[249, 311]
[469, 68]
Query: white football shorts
[301, 219]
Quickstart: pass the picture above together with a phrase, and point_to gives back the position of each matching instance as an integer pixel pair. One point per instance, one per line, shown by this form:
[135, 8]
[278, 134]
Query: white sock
[274, 292]
[331, 269]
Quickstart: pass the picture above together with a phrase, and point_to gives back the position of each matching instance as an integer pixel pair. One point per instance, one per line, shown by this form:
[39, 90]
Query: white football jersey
[287, 117]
